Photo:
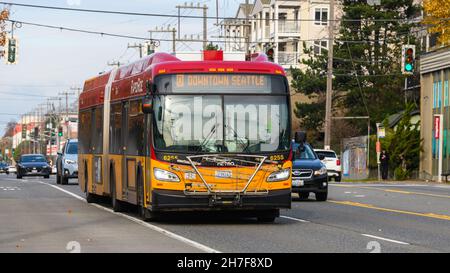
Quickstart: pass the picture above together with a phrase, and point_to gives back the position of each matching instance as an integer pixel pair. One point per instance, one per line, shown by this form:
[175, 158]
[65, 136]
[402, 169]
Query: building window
[446, 93]
[444, 148]
[319, 46]
[321, 16]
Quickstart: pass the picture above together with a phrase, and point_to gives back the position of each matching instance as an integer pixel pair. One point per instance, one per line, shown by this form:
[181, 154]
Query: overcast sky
[52, 61]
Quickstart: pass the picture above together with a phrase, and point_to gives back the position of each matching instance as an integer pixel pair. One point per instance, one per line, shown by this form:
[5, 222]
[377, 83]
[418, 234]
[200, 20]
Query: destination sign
[221, 82]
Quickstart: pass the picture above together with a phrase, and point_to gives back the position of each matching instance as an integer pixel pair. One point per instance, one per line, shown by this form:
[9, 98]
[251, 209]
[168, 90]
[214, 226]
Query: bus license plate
[298, 183]
[223, 174]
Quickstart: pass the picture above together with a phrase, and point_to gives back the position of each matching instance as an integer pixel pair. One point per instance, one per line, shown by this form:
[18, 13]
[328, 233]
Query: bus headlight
[164, 175]
[279, 175]
[322, 171]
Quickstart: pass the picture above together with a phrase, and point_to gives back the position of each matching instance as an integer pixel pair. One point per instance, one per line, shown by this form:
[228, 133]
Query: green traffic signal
[408, 67]
[408, 62]
[60, 134]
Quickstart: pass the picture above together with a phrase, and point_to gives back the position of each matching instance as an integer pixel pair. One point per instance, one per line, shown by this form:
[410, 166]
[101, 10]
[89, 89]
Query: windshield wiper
[236, 136]
[206, 140]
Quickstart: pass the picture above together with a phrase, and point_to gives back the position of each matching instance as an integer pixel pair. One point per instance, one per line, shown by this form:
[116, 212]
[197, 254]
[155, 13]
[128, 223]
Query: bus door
[97, 150]
[129, 160]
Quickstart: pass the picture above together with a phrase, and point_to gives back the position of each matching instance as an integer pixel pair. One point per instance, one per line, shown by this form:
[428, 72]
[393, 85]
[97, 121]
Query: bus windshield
[221, 123]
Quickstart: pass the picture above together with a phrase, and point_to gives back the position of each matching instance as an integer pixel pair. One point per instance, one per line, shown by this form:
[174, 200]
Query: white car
[332, 162]
[11, 169]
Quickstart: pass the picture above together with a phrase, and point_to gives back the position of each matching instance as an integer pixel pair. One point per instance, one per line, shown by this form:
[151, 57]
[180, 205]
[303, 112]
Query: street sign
[437, 127]
[381, 132]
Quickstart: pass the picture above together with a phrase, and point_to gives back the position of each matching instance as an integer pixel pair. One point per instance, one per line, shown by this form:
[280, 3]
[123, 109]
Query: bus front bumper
[169, 200]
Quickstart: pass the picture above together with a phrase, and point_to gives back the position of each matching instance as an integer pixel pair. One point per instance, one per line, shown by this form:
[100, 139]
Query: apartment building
[282, 25]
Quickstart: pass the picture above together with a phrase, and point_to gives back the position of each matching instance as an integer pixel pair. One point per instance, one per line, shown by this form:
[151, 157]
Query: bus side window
[97, 137]
[135, 139]
[85, 126]
[116, 129]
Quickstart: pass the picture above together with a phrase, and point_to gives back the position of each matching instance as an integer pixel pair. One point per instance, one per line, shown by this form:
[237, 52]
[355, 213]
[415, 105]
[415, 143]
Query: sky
[52, 61]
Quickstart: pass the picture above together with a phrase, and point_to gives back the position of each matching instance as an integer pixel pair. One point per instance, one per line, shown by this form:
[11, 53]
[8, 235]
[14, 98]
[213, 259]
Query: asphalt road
[36, 215]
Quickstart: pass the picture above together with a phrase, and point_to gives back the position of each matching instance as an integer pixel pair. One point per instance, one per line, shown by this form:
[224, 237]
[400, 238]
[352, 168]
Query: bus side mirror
[147, 105]
[150, 87]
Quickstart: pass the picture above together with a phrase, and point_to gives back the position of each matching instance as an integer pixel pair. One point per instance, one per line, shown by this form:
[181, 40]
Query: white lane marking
[360, 195]
[143, 223]
[161, 230]
[295, 219]
[385, 239]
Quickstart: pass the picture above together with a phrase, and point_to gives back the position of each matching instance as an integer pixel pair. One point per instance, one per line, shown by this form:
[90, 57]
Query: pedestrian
[384, 159]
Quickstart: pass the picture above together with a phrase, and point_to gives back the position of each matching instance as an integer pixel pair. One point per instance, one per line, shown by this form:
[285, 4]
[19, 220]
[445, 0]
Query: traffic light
[36, 132]
[150, 48]
[408, 59]
[270, 54]
[11, 51]
[24, 131]
[60, 131]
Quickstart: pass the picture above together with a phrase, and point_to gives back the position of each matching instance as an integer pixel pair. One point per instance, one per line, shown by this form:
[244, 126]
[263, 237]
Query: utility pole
[139, 46]
[114, 63]
[329, 94]
[168, 30]
[67, 94]
[66, 122]
[247, 29]
[205, 22]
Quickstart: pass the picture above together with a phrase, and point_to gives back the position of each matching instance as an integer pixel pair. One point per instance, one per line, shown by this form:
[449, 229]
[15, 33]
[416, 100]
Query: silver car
[67, 162]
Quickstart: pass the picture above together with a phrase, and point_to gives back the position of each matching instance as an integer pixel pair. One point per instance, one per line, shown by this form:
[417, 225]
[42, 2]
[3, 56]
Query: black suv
[309, 174]
[33, 165]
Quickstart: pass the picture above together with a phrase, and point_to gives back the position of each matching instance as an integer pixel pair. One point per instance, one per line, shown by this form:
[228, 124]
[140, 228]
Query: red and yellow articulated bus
[172, 135]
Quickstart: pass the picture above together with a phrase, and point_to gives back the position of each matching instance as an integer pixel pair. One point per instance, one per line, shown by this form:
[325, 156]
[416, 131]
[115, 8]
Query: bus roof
[164, 63]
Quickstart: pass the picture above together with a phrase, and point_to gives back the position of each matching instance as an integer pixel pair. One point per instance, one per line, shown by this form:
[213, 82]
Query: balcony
[288, 27]
[287, 59]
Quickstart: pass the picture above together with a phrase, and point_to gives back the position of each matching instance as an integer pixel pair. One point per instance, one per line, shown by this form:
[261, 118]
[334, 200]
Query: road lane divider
[368, 206]
[395, 191]
[140, 222]
[385, 239]
[295, 219]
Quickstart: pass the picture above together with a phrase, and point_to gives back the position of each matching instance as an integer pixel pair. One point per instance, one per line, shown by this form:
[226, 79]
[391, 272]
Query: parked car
[10, 169]
[67, 162]
[332, 162]
[3, 167]
[309, 174]
[33, 165]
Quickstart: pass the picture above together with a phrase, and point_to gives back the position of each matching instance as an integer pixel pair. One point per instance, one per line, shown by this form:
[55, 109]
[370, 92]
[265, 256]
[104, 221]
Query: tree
[368, 46]
[312, 83]
[210, 46]
[21, 149]
[403, 145]
[9, 129]
[436, 17]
